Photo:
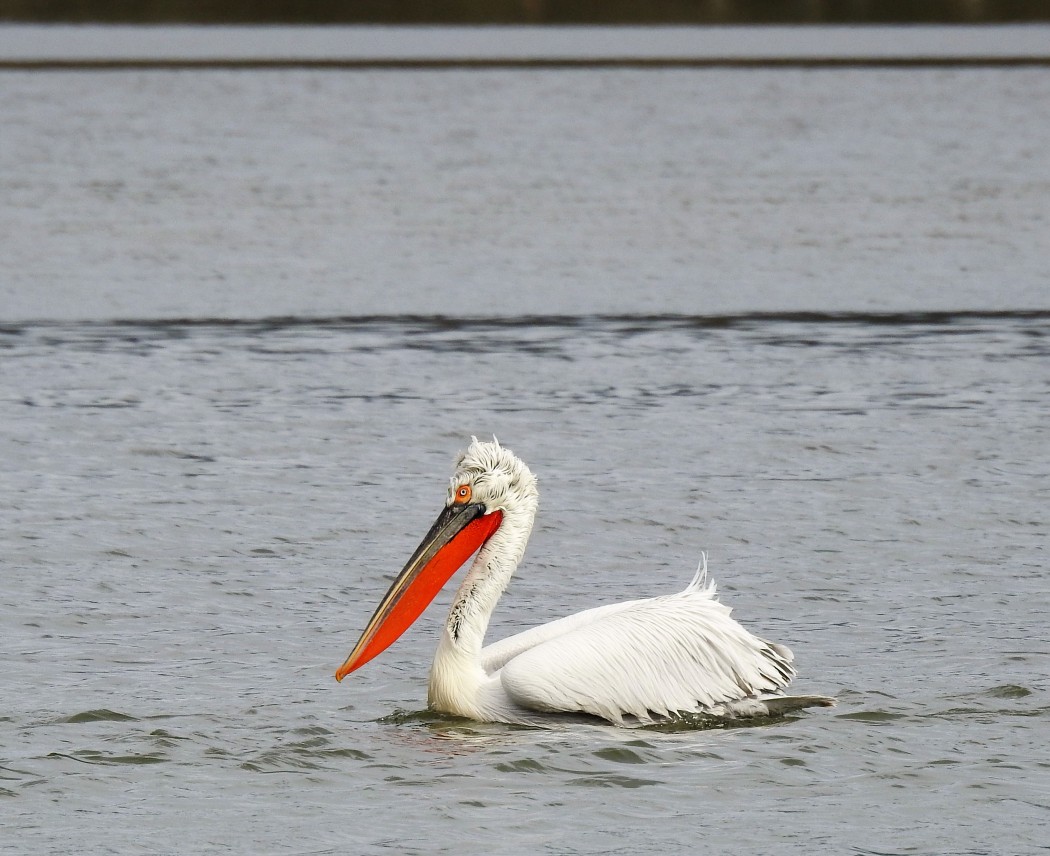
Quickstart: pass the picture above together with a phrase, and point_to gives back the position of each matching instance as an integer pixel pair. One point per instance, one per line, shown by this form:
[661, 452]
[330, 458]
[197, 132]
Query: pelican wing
[495, 656]
[661, 656]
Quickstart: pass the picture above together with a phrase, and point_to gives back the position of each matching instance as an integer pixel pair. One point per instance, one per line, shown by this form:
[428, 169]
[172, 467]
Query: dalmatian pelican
[631, 663]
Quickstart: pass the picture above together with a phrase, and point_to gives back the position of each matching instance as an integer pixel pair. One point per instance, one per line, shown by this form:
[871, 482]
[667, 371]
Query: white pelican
[629, 663]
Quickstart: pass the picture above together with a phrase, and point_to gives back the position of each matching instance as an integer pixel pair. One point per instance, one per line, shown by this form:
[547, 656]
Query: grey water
[246, 194]
[795, 319]
[200, 518]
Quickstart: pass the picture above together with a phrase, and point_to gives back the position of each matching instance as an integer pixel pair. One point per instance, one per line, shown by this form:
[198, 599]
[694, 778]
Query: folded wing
[647, 658]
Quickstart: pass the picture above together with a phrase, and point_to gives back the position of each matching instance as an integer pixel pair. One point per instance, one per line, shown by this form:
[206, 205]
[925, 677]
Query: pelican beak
[455, 536]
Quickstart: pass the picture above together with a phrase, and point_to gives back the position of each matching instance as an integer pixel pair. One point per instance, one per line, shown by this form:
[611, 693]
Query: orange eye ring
[462, 494]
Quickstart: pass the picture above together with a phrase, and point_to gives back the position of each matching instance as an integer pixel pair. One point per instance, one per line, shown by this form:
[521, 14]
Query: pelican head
[489, 484]
[494, 477]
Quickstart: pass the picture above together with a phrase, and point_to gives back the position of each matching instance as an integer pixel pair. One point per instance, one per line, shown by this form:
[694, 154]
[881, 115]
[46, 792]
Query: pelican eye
[462, 494]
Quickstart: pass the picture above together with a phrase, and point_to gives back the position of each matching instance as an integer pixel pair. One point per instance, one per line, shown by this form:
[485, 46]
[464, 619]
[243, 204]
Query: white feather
[661, 657]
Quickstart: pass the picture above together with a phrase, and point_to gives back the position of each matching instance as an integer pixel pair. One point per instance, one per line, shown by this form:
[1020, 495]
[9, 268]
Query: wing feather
[661, 656]
[498, 654]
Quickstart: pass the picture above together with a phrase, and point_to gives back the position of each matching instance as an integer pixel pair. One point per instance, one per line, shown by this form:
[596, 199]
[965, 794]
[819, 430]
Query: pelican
[631, 663]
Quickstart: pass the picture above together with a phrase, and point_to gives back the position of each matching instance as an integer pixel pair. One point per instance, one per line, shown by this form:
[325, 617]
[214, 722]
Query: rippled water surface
[198, 519]
[153, 194]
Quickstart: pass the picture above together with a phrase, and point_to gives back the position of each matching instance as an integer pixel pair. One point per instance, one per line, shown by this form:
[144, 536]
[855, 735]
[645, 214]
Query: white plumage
[649, 659]
[629, 663]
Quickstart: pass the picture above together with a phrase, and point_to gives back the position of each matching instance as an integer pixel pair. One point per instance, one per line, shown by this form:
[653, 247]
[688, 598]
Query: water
[200, 517]
[223, 46]
[150, 194]
[796, 318]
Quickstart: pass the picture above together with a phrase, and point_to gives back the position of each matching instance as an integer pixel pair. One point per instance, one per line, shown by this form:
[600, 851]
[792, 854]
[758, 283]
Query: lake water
[199, 520]
[241, 194]
[606, 269]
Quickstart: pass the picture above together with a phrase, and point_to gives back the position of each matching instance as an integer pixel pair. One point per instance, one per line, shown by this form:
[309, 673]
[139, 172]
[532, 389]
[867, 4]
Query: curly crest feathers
[497, 476]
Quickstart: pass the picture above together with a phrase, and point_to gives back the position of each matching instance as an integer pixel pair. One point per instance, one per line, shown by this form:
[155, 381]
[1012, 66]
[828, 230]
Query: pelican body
[631, 663]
